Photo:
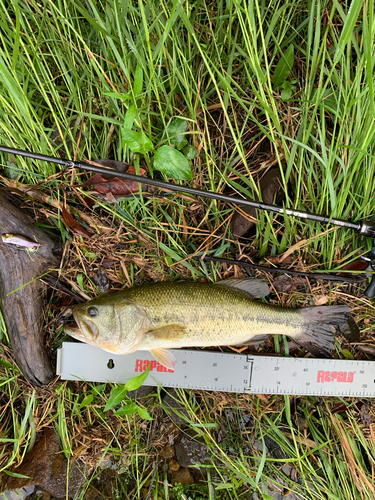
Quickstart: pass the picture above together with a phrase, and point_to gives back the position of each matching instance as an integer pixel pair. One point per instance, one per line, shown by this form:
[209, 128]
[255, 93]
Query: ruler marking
[224, 372]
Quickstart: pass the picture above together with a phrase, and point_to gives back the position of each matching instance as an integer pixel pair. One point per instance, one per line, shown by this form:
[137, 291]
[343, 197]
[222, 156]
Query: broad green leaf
[176, 132]
[182, 143]
[143, 413]
[11, 171]
[116, 396]
[286, 92]
[80, 281]
[128, 409]
[138, 80]
[118, 95]
[98, 389]
[86, 401]
[135, 382]
[190, 152]
[284, 66]
[347, 354]
[130, 117]
[138, 142]
[173, 163]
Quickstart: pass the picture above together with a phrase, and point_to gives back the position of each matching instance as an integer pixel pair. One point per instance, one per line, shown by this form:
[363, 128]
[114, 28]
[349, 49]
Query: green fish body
[169, 315]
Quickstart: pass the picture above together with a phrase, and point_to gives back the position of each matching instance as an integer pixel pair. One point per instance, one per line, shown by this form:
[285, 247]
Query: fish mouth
[88, 328]
[70, 324]
[83, 330]
[87, 332]
[74, 332]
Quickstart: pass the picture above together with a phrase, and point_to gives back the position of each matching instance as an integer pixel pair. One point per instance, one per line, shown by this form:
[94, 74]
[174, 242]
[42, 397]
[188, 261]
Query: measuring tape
[216, 371]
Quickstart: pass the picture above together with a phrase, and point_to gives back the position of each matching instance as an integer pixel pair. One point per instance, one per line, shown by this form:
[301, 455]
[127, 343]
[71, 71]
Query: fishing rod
[364, 228]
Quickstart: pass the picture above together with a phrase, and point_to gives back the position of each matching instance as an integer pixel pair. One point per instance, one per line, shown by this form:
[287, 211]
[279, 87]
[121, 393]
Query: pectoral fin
[169, 332]
[164, 357]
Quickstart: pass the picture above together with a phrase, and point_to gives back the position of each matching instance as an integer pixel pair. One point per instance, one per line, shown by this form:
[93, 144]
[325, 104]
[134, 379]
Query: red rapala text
[335, 376]
[142, 364]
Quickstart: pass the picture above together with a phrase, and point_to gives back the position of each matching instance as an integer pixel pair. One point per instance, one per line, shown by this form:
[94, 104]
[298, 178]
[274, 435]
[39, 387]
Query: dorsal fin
[255, 287]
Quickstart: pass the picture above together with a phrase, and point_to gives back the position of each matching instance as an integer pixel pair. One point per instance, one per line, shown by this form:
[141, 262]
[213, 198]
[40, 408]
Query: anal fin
[164, 357]
[262, 337]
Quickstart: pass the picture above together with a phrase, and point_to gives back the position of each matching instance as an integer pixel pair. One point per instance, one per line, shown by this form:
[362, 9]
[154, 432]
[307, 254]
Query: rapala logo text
[338, 376]
[142, 364]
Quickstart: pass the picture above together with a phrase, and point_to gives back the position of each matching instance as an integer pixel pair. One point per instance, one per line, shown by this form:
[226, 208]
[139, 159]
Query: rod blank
[357, 226]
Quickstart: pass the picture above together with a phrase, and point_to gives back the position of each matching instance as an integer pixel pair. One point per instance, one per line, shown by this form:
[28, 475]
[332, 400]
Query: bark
[23, 309]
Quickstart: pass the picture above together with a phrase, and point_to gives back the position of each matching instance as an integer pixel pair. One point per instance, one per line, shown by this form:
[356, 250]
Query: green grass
[101, 67]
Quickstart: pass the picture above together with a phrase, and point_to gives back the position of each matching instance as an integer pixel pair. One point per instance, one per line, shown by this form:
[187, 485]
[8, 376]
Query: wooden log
[23, 309]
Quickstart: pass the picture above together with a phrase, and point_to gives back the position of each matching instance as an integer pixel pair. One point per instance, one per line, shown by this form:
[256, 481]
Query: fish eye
[92, 311]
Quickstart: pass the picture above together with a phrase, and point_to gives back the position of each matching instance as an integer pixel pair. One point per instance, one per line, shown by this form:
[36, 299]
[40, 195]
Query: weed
[250, 86]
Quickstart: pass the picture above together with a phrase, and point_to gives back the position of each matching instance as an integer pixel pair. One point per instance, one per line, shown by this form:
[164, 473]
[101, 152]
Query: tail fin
[318, 330]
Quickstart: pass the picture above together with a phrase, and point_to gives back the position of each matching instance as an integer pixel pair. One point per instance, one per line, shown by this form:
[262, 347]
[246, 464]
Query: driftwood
[23, 309]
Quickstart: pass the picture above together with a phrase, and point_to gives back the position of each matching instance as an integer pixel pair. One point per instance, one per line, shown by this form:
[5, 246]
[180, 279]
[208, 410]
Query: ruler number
[307, 384]
[215, 365]
[305, 369]
[278, 382]
[364, 386]
[362, 372]
[277, 368]
[184, 362]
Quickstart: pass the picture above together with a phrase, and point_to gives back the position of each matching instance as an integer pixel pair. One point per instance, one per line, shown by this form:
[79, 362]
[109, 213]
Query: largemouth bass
[170, 315]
